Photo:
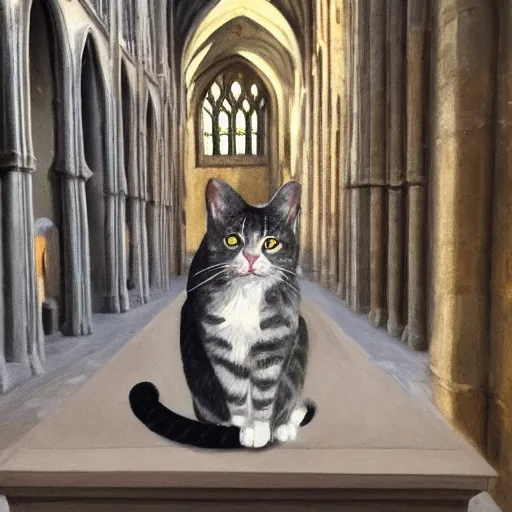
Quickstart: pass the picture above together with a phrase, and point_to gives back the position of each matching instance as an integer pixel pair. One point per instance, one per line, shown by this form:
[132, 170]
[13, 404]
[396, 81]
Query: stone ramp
[368, 434]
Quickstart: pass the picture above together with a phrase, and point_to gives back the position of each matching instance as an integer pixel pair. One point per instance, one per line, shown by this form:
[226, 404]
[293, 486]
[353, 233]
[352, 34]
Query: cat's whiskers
[212, 267]
[285, 280]
[291, 286]
[224, 271]
[285, 270]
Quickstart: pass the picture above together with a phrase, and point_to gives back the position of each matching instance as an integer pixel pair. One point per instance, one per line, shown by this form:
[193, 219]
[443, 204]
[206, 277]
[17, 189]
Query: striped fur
[243, 342]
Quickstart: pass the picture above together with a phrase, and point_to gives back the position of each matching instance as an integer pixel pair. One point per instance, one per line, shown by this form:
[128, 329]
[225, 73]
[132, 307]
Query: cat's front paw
[286, 433]
[256, 436]
[238, 421]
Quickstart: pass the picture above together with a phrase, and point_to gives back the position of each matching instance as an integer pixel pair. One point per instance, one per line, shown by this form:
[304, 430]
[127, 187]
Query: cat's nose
[251, 258]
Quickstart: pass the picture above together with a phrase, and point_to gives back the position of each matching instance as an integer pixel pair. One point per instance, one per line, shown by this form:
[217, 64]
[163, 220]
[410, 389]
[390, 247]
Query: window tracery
[234, 116]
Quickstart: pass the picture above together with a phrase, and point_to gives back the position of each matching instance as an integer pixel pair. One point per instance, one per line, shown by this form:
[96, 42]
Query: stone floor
[72, 361]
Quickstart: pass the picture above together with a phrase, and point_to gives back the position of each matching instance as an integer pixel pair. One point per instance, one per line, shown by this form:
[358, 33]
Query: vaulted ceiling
[188, 14]
[241, 35]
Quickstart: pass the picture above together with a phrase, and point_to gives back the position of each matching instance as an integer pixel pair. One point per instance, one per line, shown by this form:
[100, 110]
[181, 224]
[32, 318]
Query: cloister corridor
[396, 118]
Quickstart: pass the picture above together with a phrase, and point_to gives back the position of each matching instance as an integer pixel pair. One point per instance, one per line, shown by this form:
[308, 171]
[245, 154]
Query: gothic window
[234, 116]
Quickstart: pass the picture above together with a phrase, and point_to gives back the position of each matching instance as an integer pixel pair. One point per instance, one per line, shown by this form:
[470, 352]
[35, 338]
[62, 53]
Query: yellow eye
[231, 241]
[270, 244]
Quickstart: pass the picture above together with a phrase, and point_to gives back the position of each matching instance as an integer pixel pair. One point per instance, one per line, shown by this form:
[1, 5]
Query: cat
[244, 344]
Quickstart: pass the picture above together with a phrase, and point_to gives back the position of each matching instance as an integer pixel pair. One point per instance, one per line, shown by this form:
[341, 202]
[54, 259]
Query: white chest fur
[240, 306]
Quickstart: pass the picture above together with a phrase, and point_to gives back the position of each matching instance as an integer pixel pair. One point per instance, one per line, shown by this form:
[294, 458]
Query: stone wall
[63, 160]
[427, 199]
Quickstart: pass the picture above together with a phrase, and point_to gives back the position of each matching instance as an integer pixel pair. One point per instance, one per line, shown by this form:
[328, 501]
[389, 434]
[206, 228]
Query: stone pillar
[124, 301]
[3, 364]
[396, 168]
[325, 151]
[358, 293]
[78, 304]
[348, 53]
[306, 216]
[4, 151]
[22, 340]
[336, 73]
[460, 204]
[112, 225]
[316, 178]
[145, 251]
[500, 396]
[415, 332]
[378, 314]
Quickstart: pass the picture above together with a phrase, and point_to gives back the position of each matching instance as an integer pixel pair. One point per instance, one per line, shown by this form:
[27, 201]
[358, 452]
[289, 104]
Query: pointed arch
[128, 117]
[52, 142]
[151, 184]
[261, 12]
[94, 116]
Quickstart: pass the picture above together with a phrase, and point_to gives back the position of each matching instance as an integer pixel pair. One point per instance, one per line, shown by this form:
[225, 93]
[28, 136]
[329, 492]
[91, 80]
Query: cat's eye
[232, 241]
[271, 244]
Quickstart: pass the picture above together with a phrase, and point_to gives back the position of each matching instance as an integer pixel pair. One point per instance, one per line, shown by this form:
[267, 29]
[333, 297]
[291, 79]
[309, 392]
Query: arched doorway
[94, 144]
[151, 168]
[45, 97]
[127, 122]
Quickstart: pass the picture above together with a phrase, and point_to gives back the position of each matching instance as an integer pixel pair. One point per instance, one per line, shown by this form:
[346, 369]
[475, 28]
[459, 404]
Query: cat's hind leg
[291, 407]
[288, 431]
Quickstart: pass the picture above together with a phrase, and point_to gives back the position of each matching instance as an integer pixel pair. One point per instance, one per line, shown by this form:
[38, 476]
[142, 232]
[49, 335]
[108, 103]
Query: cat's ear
[286, 202]
[221, 200]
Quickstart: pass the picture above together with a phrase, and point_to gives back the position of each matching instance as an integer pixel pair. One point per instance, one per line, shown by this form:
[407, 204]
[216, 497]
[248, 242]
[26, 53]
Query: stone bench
[371, 447]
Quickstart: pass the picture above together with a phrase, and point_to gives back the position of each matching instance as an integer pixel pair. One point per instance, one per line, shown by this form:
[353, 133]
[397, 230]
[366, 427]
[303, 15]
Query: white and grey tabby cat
[244, 345]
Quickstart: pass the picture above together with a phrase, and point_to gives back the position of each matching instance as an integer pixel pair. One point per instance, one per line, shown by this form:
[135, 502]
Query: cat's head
[251, 240]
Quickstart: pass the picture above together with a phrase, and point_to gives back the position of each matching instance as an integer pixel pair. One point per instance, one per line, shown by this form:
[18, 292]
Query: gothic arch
[94, 112]
[45, 115]
[128, 114]
[128, 174]
[262, 12]
[208, 75]
[151, 181]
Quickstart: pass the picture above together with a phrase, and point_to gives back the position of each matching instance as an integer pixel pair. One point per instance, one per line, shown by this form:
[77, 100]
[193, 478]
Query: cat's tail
[145, 404]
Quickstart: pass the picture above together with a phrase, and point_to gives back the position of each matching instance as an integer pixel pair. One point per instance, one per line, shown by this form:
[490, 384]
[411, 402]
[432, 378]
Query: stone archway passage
[47, 200]
[94, 142]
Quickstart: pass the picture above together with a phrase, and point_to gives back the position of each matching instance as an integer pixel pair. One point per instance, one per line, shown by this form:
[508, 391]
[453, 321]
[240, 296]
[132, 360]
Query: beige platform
[370, 447]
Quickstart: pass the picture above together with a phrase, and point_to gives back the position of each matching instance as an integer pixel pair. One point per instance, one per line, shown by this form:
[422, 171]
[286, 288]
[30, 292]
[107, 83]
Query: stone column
[22, 341]
[325, 151]
[348, 54]
[316, 178]
[358, 294]
[396, 170]
[145, 251]
[3, 364]
[143, 187]
[415, 332]
[378, 314]
[112, 224]
[500, 396]
[460, 203]
[306, 217]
